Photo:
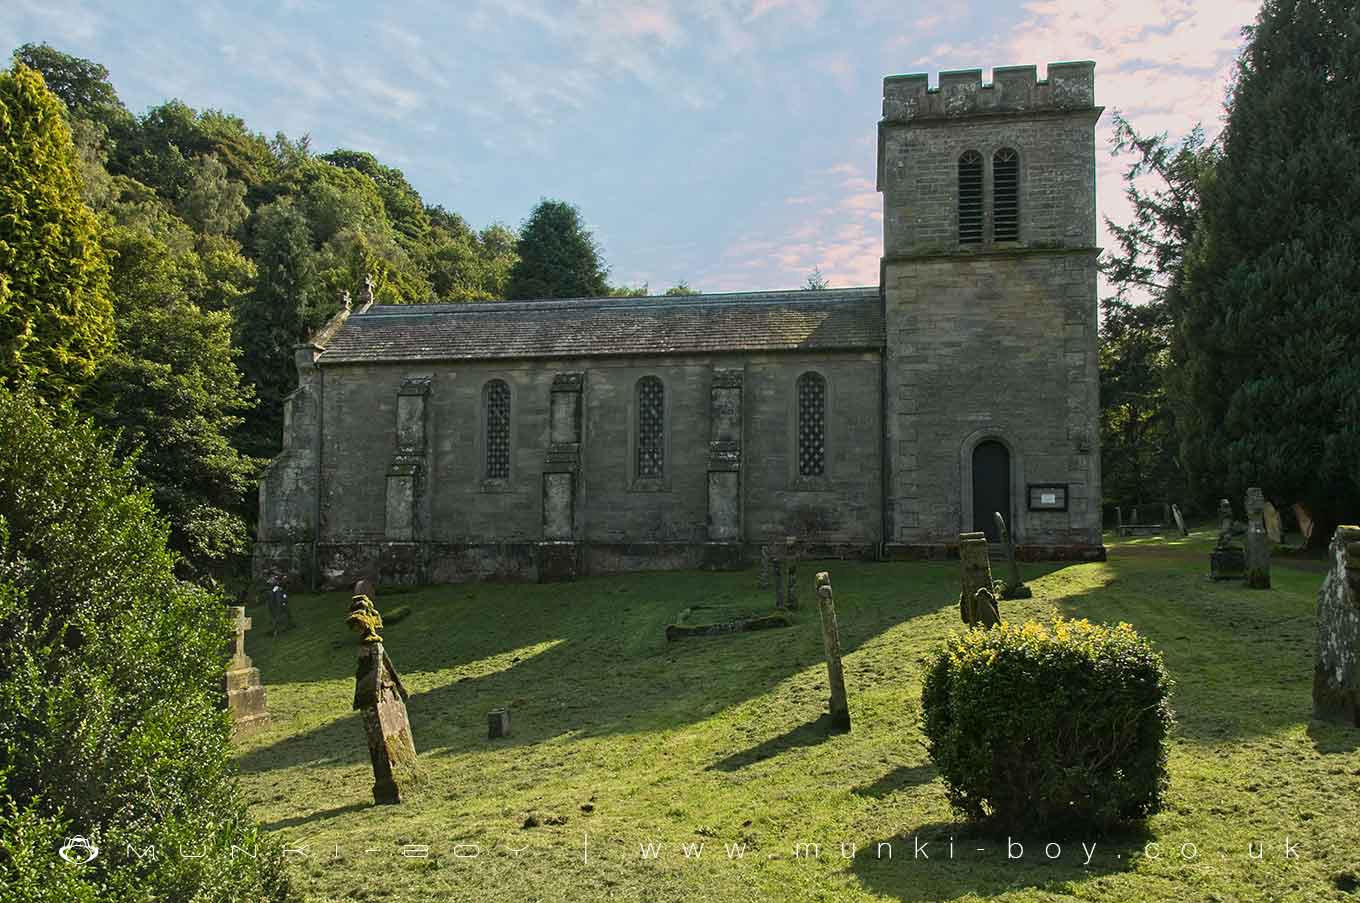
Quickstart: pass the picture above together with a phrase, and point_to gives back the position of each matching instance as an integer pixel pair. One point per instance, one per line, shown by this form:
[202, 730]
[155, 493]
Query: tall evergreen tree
[1267, 311]
[558, 257]
[56, 317]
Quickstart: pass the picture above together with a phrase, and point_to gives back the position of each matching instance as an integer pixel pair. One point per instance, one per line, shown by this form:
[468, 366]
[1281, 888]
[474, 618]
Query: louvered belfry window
[811, 425]
[651, 428]
[496, 402]
[970, 198]
[1006, 195]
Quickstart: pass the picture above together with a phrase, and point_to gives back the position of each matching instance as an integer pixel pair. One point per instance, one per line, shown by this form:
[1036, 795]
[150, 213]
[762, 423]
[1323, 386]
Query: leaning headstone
[1274, 529]
[379, 695]
[1336, 673]
[978, 609]
[1258, 544]
[1227, 561]
[366, 587]
[245, 692]
[791, 550]
[777, 578]
[1305, 520]
[1180, 520]
[831, 641]
[763, 578]
[1015, 587]
[498, 724]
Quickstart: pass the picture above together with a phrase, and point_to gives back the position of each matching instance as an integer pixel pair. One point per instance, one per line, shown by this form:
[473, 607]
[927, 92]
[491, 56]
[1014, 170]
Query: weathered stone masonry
[672, 432]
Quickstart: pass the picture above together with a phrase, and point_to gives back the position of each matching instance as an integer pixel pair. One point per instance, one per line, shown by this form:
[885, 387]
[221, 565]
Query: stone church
[545, 439]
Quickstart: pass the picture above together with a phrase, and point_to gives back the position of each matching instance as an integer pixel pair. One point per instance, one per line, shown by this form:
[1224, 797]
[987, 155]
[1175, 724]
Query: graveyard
[708, 768]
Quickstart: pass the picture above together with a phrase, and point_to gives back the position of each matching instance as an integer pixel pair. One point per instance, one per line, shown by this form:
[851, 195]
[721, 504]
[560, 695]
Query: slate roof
[832, 319]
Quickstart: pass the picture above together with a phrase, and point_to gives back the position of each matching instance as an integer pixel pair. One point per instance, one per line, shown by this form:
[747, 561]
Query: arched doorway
[991, 487]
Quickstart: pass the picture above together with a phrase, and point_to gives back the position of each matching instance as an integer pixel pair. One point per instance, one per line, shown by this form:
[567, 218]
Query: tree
[56, 317]
[1138, 440]
[1267, 311]
[630, 291]
[558, 257]
[816, 282]
[213, 203]
[682, 288]
[83, 85]
[111, 722]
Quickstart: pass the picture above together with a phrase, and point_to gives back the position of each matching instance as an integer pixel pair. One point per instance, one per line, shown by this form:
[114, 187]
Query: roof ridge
[785, 296]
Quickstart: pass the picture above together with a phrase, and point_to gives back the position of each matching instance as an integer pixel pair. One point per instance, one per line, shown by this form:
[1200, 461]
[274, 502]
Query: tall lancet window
[970, 198]
[1006, 195]
[811, 425]
[496, 416]
[651, 428]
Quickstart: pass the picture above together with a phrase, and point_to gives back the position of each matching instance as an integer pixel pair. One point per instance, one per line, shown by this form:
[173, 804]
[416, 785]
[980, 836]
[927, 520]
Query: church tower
[989, 293]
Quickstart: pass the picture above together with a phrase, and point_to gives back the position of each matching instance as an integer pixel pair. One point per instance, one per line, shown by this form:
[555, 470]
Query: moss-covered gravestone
[977, 601]
[379, 695]
[1336, 672]
[1258, 543]
[1227, 561]
[245, 692]
[831, 642]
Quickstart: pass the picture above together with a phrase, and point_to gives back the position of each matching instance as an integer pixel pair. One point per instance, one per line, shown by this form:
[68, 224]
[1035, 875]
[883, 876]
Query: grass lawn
[697, 749]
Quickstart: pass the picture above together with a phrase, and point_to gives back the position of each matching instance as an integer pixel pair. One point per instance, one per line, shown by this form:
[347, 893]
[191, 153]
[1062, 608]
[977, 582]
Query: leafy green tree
[172, 395]
[405, 209]
[1138, 438]
[629, 291]
[111, 723]
[56, 317]
[213, 202]
[558, 257]
[682, 288]
[83, 85]
[499, 252]
[1267, 312]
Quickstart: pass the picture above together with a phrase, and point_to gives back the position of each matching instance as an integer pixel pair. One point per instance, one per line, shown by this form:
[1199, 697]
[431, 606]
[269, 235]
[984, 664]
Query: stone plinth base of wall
[724, 556]
[1032, 552]
[292, 559]
[558, 561]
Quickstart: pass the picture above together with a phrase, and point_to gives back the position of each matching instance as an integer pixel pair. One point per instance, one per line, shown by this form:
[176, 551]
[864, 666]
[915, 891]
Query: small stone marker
[366, 587]
[245, 692]
[763, 578]
[1015, 587]
[777, 578]
[831, 640]
[1336, 672]
[1180, 521]
[1274, 529]
[791, 549]
[378, 693]
[1258, 543]
[977, 605]
[1227, 561]
[498, 724]
[1306, 523]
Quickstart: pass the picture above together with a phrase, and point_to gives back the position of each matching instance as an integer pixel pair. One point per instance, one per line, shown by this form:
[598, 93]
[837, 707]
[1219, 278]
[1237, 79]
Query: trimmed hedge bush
[1049, 728]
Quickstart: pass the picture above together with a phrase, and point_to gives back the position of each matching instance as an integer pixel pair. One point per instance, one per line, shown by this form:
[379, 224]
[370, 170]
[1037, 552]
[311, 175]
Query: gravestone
[1180, 520]
[792, 548]
[1336, 672]
[1258, 544]
[245, 692]
[763, 578]
[366, 587]
[977, 604]
[498, 724]
[777, 577]
[1305, 521]
[1015, 587]
[1227, 561]
[831, 641]
[1274, 529]
[379, 695]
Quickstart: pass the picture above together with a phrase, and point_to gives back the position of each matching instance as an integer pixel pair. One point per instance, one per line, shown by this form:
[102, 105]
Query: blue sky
[729, 143]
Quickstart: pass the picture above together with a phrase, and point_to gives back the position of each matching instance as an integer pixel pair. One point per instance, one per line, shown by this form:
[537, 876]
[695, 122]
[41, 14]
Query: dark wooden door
[991, 487]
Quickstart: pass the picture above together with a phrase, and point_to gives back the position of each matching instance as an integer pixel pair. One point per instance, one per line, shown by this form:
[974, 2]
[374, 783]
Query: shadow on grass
[1333, 738]
[809, 734]
[898, 778]
[320, 815]
[586, 659]
[985, 864]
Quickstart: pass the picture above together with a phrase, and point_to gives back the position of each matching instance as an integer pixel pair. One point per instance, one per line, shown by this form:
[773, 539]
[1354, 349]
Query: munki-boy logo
[78, 850]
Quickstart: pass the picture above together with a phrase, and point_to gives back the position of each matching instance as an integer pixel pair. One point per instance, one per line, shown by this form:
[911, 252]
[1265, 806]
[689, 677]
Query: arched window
[970, 198]
[651, 428]
[1006, 195]
[811, 425]
[496, 417]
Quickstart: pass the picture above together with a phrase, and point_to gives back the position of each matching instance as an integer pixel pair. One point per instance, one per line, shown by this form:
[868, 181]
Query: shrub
[111, 725]
[1034, 728]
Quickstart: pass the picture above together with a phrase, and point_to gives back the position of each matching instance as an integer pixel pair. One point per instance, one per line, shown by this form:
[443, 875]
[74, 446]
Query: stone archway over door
[991, 487]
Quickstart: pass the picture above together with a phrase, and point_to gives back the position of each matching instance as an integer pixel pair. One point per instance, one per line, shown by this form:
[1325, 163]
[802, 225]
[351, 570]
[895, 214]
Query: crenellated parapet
[1014, 89]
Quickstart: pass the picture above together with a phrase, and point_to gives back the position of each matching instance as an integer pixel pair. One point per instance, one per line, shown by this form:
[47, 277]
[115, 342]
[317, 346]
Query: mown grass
[620, 740]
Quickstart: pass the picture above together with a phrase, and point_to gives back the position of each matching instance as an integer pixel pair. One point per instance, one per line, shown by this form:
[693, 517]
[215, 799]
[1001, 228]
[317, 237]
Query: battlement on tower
[1014, 89]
